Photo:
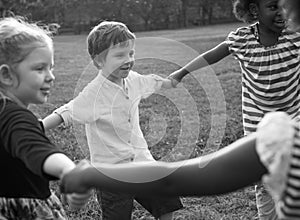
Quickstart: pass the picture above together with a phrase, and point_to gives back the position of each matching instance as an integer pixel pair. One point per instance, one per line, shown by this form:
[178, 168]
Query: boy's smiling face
[118, 61]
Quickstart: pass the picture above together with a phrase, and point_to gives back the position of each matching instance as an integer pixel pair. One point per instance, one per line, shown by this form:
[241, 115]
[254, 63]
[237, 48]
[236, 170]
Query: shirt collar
[107, 83]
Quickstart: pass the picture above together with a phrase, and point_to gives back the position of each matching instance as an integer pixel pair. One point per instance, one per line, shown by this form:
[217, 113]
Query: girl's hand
[178, 75]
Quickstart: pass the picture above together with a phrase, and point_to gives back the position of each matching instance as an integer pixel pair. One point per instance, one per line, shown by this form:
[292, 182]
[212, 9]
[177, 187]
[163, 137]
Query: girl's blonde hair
[18, 38]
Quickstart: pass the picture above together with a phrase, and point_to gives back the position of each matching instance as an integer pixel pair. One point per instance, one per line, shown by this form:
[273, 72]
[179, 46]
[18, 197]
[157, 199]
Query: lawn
[200, 116]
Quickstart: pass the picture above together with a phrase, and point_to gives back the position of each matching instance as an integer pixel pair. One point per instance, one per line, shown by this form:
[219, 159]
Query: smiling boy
[108, 106]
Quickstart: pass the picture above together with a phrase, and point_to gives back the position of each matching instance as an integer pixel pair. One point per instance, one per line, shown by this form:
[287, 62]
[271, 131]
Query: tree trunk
[184, 12]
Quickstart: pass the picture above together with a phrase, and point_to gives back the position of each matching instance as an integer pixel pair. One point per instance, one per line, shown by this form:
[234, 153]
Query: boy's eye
[119, 55]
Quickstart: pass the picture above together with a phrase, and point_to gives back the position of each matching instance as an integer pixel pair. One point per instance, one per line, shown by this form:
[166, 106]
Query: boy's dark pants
[116, 206]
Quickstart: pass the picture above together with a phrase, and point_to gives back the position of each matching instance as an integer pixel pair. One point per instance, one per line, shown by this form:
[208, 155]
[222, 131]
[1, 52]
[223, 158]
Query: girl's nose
[280, 11]
[50, 76]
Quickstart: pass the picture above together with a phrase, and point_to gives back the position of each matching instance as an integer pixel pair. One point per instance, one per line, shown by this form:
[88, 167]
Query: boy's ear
[97, 65]
[6, 76]
[253, 9]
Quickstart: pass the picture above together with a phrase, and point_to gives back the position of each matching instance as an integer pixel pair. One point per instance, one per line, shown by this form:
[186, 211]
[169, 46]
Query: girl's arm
[58, 165]
[230, 168]
[210, 57]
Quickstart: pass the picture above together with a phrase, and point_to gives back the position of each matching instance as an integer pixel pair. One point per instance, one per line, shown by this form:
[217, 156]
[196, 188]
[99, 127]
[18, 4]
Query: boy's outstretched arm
[52, 121]
[231, 168]
[210, 57]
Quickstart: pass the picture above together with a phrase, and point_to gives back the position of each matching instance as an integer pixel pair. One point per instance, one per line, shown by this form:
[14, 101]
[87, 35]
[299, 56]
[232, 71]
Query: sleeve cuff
[65, 114]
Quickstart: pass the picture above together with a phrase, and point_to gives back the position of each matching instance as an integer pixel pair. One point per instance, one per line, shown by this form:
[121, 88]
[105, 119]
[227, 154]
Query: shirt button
[127, 97]
[129, 120]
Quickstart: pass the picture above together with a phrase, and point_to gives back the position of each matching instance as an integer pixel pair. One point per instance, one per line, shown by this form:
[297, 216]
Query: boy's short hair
[105, 35]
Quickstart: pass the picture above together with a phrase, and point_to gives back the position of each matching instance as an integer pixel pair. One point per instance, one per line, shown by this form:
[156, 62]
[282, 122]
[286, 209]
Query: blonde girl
[28, 160]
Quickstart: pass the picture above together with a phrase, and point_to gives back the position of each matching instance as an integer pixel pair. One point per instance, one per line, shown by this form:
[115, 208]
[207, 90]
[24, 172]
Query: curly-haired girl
[269, 58]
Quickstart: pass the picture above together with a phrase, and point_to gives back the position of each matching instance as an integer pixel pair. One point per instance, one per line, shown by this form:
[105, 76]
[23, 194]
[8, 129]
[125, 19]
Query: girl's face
[118, 62]
[33, 76]
[270, 16]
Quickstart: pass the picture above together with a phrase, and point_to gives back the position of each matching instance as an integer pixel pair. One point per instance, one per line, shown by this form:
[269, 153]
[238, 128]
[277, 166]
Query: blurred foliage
[81, 15]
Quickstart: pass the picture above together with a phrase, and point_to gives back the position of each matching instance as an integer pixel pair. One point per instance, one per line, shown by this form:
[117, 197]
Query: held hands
[77, 200]
[72, 185]
[174, 82]
[177, 76]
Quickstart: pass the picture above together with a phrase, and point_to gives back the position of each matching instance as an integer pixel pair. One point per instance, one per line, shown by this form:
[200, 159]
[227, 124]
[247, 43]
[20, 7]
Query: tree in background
[80, 15]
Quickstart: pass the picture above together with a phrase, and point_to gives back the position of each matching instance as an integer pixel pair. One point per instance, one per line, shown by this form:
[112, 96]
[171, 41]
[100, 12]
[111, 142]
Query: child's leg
[161, 208]
[265, 203]
[168, 216]
[115, 206]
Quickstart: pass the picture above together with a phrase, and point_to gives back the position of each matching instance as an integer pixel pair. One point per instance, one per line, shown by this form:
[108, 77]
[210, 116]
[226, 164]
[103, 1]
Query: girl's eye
[43, 68]
[40, 68]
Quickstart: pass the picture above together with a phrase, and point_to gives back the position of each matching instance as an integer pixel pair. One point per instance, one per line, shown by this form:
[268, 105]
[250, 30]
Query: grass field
[202, 115]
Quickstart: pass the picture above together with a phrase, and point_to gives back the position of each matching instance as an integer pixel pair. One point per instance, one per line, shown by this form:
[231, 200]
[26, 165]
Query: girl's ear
[253, 9]
[6, 76]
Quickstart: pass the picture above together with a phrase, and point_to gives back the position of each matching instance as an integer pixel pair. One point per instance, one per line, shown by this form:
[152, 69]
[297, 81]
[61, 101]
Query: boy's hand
[73, 181]
[78, 200]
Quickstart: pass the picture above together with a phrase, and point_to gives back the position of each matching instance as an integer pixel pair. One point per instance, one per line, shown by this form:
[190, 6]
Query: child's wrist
[174, 82]
[66, 170]
[179, 74]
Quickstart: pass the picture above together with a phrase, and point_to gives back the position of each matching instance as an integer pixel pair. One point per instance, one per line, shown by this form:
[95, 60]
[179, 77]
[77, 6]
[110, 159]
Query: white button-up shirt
[111, 117]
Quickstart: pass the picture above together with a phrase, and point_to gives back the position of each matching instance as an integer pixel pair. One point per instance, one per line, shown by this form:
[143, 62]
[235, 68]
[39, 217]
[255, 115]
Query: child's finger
[63, 199]
[78, 200]
[174, 82]
[83, 164]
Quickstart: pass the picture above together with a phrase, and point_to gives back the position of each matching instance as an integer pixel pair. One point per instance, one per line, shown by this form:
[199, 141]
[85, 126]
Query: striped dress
[270, 75]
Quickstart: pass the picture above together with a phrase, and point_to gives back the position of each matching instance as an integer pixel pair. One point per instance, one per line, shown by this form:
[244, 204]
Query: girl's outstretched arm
[230, 168]
[210, 57]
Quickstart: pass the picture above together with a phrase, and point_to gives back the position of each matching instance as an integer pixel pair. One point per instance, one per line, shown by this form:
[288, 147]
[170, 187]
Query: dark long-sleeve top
[23, 151]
